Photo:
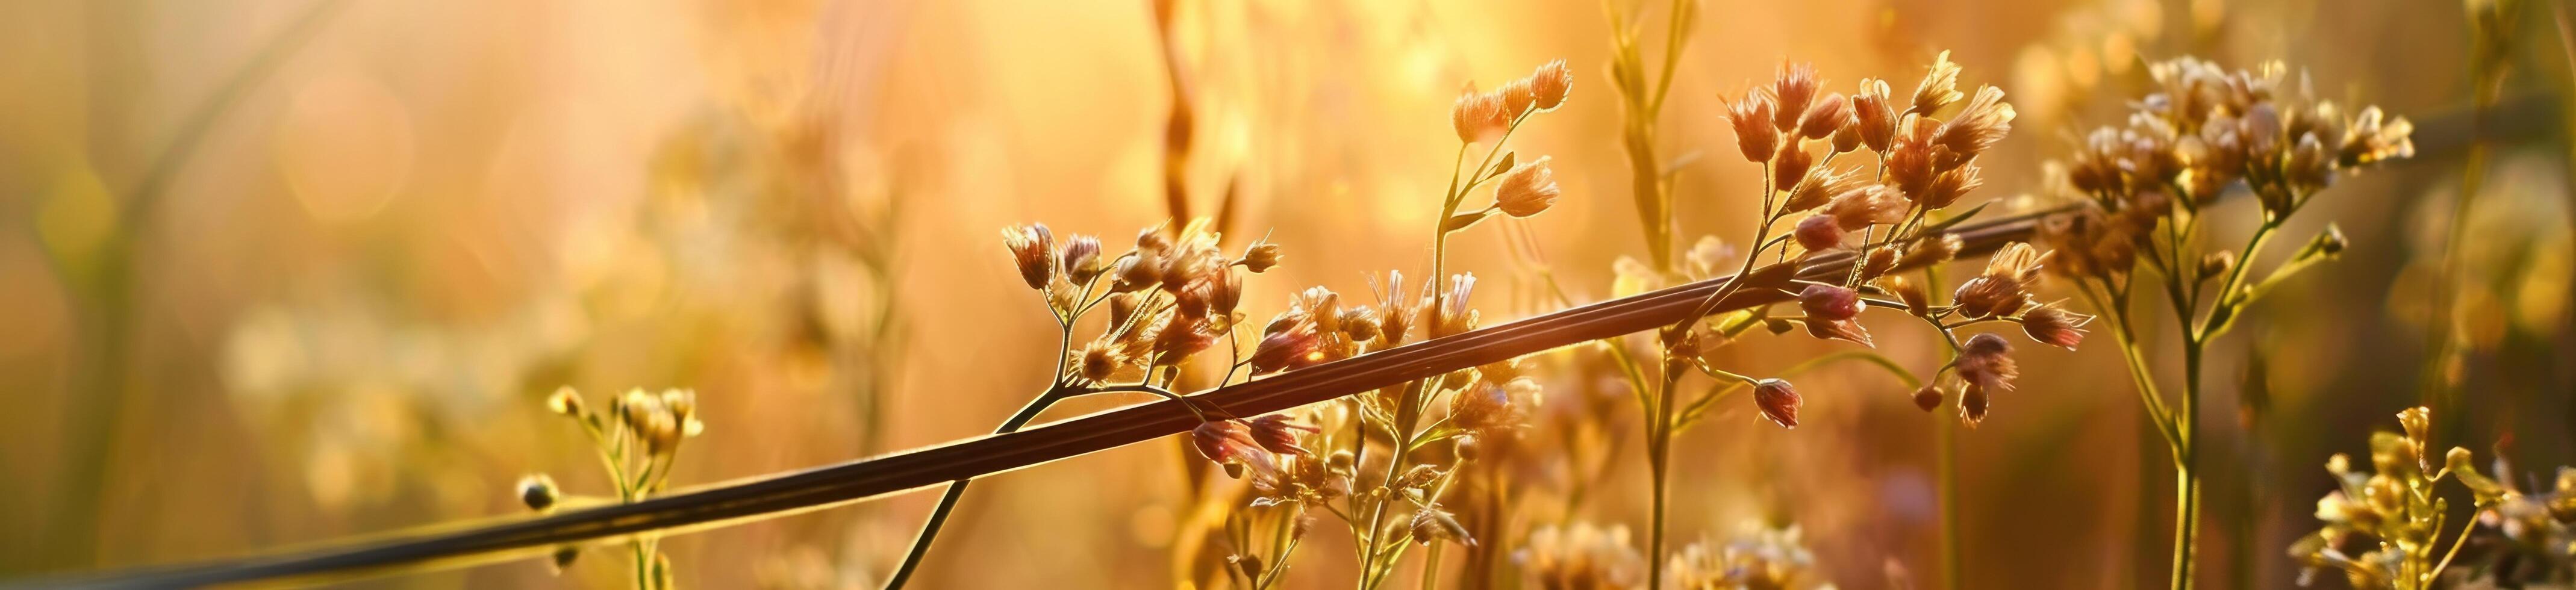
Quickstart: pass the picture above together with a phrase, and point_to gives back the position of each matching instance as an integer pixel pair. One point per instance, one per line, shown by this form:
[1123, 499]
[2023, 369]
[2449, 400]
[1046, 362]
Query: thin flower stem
[957, 490]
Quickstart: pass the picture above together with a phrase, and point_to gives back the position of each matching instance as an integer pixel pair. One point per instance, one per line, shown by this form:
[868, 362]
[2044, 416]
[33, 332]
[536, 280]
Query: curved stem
[957, 490]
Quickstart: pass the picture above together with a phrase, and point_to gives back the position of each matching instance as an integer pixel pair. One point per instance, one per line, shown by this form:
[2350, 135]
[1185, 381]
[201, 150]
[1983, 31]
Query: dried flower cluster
[2384, 528]
[1396, 452]
[637, 438]
[1760, 557]
[2147, 186]
[1579, 556]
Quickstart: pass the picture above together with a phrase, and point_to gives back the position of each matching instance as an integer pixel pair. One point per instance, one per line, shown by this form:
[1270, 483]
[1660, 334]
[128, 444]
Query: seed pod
[1928, 397]
[1778, 402]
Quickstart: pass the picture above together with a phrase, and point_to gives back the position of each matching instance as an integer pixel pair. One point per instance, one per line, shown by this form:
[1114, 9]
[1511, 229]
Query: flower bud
[538, 492]
[1278, 435]
[1751, 115]
[1818, 233]
[1790, 165]
[1778, 402]
[2054, 326]
[1928, 397]
[1260, 257]
[1830, 302]
[1032, 247]
[1526, 190]
[1081, 259]
[566, 401]
[1550, 84]
[1825, 117]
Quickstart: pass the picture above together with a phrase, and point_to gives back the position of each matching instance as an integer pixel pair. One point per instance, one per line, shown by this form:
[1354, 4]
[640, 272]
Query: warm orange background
[346, 305]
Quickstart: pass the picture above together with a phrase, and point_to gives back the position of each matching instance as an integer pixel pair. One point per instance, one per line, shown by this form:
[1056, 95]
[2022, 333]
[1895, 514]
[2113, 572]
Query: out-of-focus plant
[638, 438]
[2147, 188]
[2384, 528]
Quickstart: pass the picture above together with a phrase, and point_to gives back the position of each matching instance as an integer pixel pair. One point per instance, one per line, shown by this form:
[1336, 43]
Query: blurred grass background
[277, 271]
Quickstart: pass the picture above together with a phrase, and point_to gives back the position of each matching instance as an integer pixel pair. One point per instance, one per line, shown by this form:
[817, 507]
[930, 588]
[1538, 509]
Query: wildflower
[1778, 402]
[567, 402]
[1293, 348]
[539, 492]
[1033, 248]
[1820, 186]
[2367, 140]
[1818, 233]
[1932, 250]
[1178, 337]
[1825, 117]
[1433, 524]
[1910, 164]
[1360, 323]
[1479, 117]
[1395, 310]
[1910, 293]
[2055, 326]
[1526, 190]
[1224, 294]
[1453, 316]
[1486, 407]
[1795, 86]
[1758, 557]
[1872, 115]
[1136, 272]
[1081, 259]
[1979, 126]
[1948, 187]
[1790, 165]
[1100, 361]
[1259, 257]
[1986, 361]
[2002, 288]
[1751, 117]
[1517, 97]
[1880, 261]
[1830, 302]
[1278, 435]
[1939, 88]
[1226, 442]
[1550, 84]
[1866, 206]
[1579, 556]
[1845, 329]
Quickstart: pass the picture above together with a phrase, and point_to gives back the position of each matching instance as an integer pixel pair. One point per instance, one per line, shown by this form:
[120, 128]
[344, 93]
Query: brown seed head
[1081, 259]
[1790, 165]
[1872, 116]
[1751, 115]
[1827, 116]
[1846, 329]
[1795, 86]
[1260, 256]
[1866, 206]
[1985, 360]
[1818, 233]
[1277, 434]
[1927, 397]
[1517, 97]
[1973, 404]
[1032, 247]
[1830, 302]
[1948, 187]
[2055, 326]
[1820, 186]
[1939, 88]
[1778, 402]
[1978, 127]
[1931, 251]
